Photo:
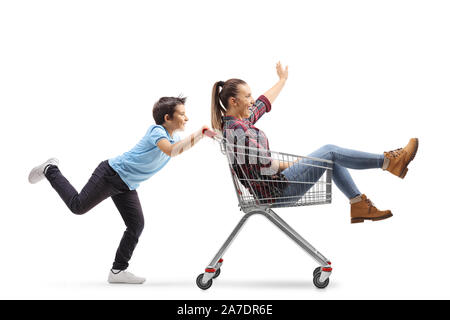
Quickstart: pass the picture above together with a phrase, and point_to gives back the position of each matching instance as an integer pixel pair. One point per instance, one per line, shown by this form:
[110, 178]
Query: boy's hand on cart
[206, 131]
[213, 134]
[203, 129]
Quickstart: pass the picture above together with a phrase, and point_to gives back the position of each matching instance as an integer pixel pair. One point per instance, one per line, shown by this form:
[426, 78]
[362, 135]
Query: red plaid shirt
[244, 133]
[256, 138]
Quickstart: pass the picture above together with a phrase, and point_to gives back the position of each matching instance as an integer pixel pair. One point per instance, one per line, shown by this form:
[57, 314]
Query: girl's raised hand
[282, 73]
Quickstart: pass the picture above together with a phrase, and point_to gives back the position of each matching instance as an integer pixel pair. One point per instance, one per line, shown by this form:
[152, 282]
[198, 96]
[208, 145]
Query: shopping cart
[260, 186]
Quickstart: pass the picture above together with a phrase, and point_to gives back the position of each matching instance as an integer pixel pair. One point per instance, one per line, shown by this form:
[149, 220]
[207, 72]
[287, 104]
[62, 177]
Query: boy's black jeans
[104, 183]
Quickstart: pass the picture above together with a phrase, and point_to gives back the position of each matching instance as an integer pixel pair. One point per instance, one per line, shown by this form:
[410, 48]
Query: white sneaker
[37, 173]
[124, 276]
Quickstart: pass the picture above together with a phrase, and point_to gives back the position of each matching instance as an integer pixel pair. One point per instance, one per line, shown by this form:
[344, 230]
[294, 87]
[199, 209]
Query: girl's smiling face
[243, 101]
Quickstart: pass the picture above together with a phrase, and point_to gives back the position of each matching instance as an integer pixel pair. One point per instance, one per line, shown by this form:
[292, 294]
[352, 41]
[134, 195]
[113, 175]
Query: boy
[119, 178]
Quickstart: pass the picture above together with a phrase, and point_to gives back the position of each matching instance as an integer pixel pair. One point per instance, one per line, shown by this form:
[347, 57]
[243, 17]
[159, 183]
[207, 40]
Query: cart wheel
[217, 273]
[200, 283]
[316, 270]
[318, 283]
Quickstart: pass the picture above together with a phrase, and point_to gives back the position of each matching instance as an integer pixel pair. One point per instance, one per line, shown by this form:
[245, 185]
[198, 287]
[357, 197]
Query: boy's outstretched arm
[176, 149]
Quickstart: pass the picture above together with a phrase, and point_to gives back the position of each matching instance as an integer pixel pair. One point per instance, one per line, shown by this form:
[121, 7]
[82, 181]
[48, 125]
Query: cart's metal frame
[251, 207]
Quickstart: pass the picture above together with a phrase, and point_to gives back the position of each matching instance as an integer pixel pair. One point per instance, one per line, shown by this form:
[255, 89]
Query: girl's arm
[178, 148]
[279, 165]
[273, 92]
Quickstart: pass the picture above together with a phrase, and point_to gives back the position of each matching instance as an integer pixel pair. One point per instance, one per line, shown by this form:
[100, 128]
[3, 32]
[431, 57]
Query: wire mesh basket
[259, 177]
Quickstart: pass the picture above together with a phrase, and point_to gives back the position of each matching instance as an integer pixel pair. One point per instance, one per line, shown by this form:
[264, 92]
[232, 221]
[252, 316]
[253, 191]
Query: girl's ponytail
[217, 110]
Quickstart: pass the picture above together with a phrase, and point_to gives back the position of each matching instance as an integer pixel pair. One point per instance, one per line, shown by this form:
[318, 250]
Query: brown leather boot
[397, 161]
[363, 209]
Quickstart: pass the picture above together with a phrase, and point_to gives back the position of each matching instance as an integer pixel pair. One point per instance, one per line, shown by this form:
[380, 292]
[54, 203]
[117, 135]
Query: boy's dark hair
[166, 105]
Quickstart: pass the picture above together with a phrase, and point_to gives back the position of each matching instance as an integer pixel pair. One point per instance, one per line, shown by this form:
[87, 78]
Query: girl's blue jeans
[342, 159]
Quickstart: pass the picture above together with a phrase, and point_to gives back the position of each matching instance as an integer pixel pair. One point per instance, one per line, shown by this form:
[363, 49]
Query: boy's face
[179, 118]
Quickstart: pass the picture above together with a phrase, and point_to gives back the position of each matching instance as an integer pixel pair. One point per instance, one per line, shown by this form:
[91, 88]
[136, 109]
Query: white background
[78, 80]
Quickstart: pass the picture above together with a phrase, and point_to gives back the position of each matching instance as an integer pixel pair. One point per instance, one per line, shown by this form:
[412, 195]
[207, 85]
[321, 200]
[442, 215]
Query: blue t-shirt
[145, 159]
